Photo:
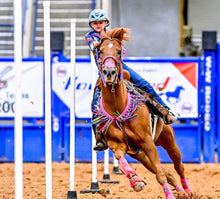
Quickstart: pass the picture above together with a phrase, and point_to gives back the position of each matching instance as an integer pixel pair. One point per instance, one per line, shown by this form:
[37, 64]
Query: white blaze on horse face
[110, 45]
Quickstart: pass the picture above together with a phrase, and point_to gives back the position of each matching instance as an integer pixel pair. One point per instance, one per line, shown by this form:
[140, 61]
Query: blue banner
[208, 108]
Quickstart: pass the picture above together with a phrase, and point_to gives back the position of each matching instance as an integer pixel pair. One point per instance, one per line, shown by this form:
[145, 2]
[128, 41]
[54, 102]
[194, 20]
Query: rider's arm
[91, 41]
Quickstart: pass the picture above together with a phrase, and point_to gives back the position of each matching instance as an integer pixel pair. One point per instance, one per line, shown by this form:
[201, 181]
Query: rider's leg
[147, 87]
[100, 140]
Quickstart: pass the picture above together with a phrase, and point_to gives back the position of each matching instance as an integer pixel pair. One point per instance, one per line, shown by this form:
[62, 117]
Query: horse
[124, 120]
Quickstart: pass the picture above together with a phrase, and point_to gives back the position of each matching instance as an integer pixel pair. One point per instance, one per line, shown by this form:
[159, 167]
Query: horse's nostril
[113, 72]
[104, 72]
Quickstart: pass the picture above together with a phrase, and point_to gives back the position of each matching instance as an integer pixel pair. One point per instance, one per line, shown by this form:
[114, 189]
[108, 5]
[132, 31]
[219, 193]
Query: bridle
[100, 62]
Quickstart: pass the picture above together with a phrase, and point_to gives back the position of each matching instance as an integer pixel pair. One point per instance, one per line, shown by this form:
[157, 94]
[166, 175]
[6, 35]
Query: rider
[98, 21]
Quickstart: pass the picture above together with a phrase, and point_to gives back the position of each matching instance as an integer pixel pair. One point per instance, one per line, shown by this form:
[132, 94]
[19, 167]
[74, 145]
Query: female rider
[98, 21]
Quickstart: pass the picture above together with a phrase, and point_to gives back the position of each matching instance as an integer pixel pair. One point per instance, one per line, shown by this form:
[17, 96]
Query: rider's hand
[96, 44]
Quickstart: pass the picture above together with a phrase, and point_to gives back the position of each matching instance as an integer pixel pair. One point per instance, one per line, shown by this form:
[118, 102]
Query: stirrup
[100, 146]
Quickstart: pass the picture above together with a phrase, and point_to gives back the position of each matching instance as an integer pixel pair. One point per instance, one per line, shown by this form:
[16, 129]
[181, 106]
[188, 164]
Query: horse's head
[111, 53]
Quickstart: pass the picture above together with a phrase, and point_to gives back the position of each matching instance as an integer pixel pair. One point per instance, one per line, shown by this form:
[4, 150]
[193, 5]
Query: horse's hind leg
[142, 158]
[167, 141]
[150, 150]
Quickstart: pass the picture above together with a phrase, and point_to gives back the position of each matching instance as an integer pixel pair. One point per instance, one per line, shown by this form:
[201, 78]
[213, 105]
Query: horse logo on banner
[173, 97]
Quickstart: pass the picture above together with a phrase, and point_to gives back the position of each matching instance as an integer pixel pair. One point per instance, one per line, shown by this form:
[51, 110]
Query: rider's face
[99, 25]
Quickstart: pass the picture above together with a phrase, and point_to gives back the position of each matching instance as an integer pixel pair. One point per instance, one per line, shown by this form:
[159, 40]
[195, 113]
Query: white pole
[47, 72]
[18, 128]
[115, 162]
[94, 153]
[106, 5]
[72, 104]
[106, 161]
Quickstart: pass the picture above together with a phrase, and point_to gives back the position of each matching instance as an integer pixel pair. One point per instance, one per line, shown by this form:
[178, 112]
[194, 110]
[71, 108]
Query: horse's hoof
[139, 186]
[183, 196]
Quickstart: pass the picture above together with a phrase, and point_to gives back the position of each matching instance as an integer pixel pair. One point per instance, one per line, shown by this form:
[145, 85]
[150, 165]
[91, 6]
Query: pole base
[94, 188]
[106, 180]
[71, 195]
[109, 181]
[106, 177]
[117, 171]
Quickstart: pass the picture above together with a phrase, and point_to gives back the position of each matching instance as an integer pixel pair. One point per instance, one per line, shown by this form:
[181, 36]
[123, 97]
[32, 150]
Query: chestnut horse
[124, 120]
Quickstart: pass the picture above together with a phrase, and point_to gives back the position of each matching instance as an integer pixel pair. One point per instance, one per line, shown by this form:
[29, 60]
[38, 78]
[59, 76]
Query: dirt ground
[203, 178]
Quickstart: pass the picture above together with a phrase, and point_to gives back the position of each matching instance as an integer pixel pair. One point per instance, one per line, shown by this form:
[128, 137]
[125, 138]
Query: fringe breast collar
[101, 116]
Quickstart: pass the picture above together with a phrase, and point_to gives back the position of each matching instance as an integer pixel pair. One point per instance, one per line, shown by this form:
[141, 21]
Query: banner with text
[32, 89]
[176, 83]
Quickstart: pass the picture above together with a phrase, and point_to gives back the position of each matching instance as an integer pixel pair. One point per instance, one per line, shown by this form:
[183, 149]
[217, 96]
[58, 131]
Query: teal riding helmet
[98, 15]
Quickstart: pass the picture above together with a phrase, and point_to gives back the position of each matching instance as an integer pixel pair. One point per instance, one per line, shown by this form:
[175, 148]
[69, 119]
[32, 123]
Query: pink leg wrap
[186, 186]
[168, 192]
[126, 168]
[134, 178]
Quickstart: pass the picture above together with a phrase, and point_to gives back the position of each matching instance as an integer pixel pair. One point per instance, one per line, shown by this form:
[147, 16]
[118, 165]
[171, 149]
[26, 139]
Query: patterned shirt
[90, 38]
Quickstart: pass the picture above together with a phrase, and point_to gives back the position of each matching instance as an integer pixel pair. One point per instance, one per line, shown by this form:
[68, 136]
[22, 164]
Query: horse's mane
[116, 33]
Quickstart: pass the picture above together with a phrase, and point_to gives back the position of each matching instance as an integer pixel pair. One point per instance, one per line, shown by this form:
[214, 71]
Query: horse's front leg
[135, 181]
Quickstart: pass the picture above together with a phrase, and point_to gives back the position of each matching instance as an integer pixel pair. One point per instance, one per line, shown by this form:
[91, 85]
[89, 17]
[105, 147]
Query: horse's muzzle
[109, 74]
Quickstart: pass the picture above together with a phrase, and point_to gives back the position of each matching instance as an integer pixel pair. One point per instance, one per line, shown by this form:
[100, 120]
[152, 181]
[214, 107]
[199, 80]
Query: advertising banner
[176, 83]
[32, 89]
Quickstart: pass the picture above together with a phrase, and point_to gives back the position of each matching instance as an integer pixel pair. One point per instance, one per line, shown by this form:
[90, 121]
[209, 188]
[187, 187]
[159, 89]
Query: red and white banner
[176, 83]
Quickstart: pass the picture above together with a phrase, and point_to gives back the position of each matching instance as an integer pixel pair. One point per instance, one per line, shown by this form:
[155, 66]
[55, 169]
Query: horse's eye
[100, 52]
[119, 52]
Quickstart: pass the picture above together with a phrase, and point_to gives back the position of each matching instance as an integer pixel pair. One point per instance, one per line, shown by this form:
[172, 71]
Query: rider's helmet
[98, 15]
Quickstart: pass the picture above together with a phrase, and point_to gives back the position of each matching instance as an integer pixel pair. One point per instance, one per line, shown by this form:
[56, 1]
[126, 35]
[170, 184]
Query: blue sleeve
[89, 40]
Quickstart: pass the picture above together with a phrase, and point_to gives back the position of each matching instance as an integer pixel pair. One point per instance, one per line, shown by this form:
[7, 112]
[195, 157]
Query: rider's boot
[100, 141]
[167, 115]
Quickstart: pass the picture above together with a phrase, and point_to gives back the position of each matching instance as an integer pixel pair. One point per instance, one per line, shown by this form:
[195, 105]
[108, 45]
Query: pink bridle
[110, 64]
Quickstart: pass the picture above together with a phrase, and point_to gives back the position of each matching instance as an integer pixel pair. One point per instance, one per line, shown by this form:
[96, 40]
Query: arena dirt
[203, 178]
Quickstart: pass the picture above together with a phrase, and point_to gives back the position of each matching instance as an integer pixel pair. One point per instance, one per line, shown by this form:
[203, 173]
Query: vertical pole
[94, 153]
[106, 165]
[72, 192]
[47, 71]
[115, 167]
[94, 188]
[107, 5]
[18, 127]
[218, 100]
